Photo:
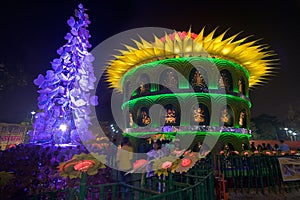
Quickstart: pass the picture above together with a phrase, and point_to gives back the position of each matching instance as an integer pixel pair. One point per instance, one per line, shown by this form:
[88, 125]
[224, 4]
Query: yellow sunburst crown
[258, 60]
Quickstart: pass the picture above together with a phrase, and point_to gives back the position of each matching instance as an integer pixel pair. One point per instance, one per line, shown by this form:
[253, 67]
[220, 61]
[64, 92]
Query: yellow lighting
[256, 59]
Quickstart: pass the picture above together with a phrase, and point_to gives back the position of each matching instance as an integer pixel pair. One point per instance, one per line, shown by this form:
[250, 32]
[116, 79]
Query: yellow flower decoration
[83, 163]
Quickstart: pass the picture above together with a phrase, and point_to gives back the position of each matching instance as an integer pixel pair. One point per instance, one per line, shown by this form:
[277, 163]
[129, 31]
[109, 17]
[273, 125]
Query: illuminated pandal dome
[254, 58]
[241, 64]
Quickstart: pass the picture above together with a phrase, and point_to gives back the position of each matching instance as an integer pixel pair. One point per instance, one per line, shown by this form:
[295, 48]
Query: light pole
[286, 133]
[33, 134]
[32, 114]
[295, 135]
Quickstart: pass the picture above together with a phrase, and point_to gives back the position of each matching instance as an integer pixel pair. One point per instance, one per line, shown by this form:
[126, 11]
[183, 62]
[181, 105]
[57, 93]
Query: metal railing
[197, 183]
[259, 173]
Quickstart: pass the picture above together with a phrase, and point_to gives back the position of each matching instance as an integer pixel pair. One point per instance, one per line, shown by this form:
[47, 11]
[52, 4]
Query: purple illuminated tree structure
[65, 90]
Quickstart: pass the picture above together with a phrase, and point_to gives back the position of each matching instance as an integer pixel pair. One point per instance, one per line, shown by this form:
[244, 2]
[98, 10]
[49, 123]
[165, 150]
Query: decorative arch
[128, 90]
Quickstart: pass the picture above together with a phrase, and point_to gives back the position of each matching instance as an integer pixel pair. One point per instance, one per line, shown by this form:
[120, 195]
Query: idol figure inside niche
[170, 80]
[224, 82]
[130, 120]
[199, 115]
[242, 120]
[225, 117]
[240, 86]
[170, 116]
[145, 118]
[198, 80]
[142, 88]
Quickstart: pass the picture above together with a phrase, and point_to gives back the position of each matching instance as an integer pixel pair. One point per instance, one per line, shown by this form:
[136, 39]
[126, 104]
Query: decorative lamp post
[32, 114]
[290, 134]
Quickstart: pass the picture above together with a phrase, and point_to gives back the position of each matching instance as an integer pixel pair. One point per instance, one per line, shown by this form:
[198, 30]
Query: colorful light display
[201, 84]
[256, 59]
[65, 96]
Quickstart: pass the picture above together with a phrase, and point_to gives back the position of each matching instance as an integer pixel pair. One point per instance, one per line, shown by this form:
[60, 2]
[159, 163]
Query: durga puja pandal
[190, 85]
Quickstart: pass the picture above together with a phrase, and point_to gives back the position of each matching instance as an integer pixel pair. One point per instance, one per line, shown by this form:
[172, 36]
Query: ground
[294, 195]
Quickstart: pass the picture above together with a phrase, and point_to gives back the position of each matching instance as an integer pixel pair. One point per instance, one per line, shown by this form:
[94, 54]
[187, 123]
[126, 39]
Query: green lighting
[185, 96]
[184, 84]
[196, 133]
[174, 61]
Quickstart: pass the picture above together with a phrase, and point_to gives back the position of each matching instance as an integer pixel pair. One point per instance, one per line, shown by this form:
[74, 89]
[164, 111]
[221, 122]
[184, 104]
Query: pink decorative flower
[221, 152]
[139, 163]
[182, 35]
[256, 152]
[246, 153]
[236, 152]
[268, 153]
[166, 165]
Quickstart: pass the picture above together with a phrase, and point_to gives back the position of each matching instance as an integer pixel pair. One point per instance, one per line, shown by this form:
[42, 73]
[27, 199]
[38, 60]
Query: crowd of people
[282, 147]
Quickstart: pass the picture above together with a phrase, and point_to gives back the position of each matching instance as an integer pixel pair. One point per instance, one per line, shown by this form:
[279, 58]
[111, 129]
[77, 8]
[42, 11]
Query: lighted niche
[168, 80]
[143, 117]
[225, 80]
[243, 119]
[226, 117]
[200, 115]
[242, 86]
[170, 116]
[197, 81]
[143, 84]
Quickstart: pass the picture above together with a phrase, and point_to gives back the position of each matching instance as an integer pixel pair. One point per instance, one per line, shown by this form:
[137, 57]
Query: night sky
[31, 32]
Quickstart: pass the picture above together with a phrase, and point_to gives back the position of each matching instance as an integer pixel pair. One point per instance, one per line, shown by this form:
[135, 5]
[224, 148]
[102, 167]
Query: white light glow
[63, 127]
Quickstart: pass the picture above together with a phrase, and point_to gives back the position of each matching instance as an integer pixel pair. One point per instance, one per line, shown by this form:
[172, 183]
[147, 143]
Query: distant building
[11, 134]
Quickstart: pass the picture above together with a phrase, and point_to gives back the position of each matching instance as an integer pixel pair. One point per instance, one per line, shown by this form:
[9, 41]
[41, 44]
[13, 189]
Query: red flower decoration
[256, 152]
[221, 152]
[83, 165]
[186, 162]
[293, 152]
